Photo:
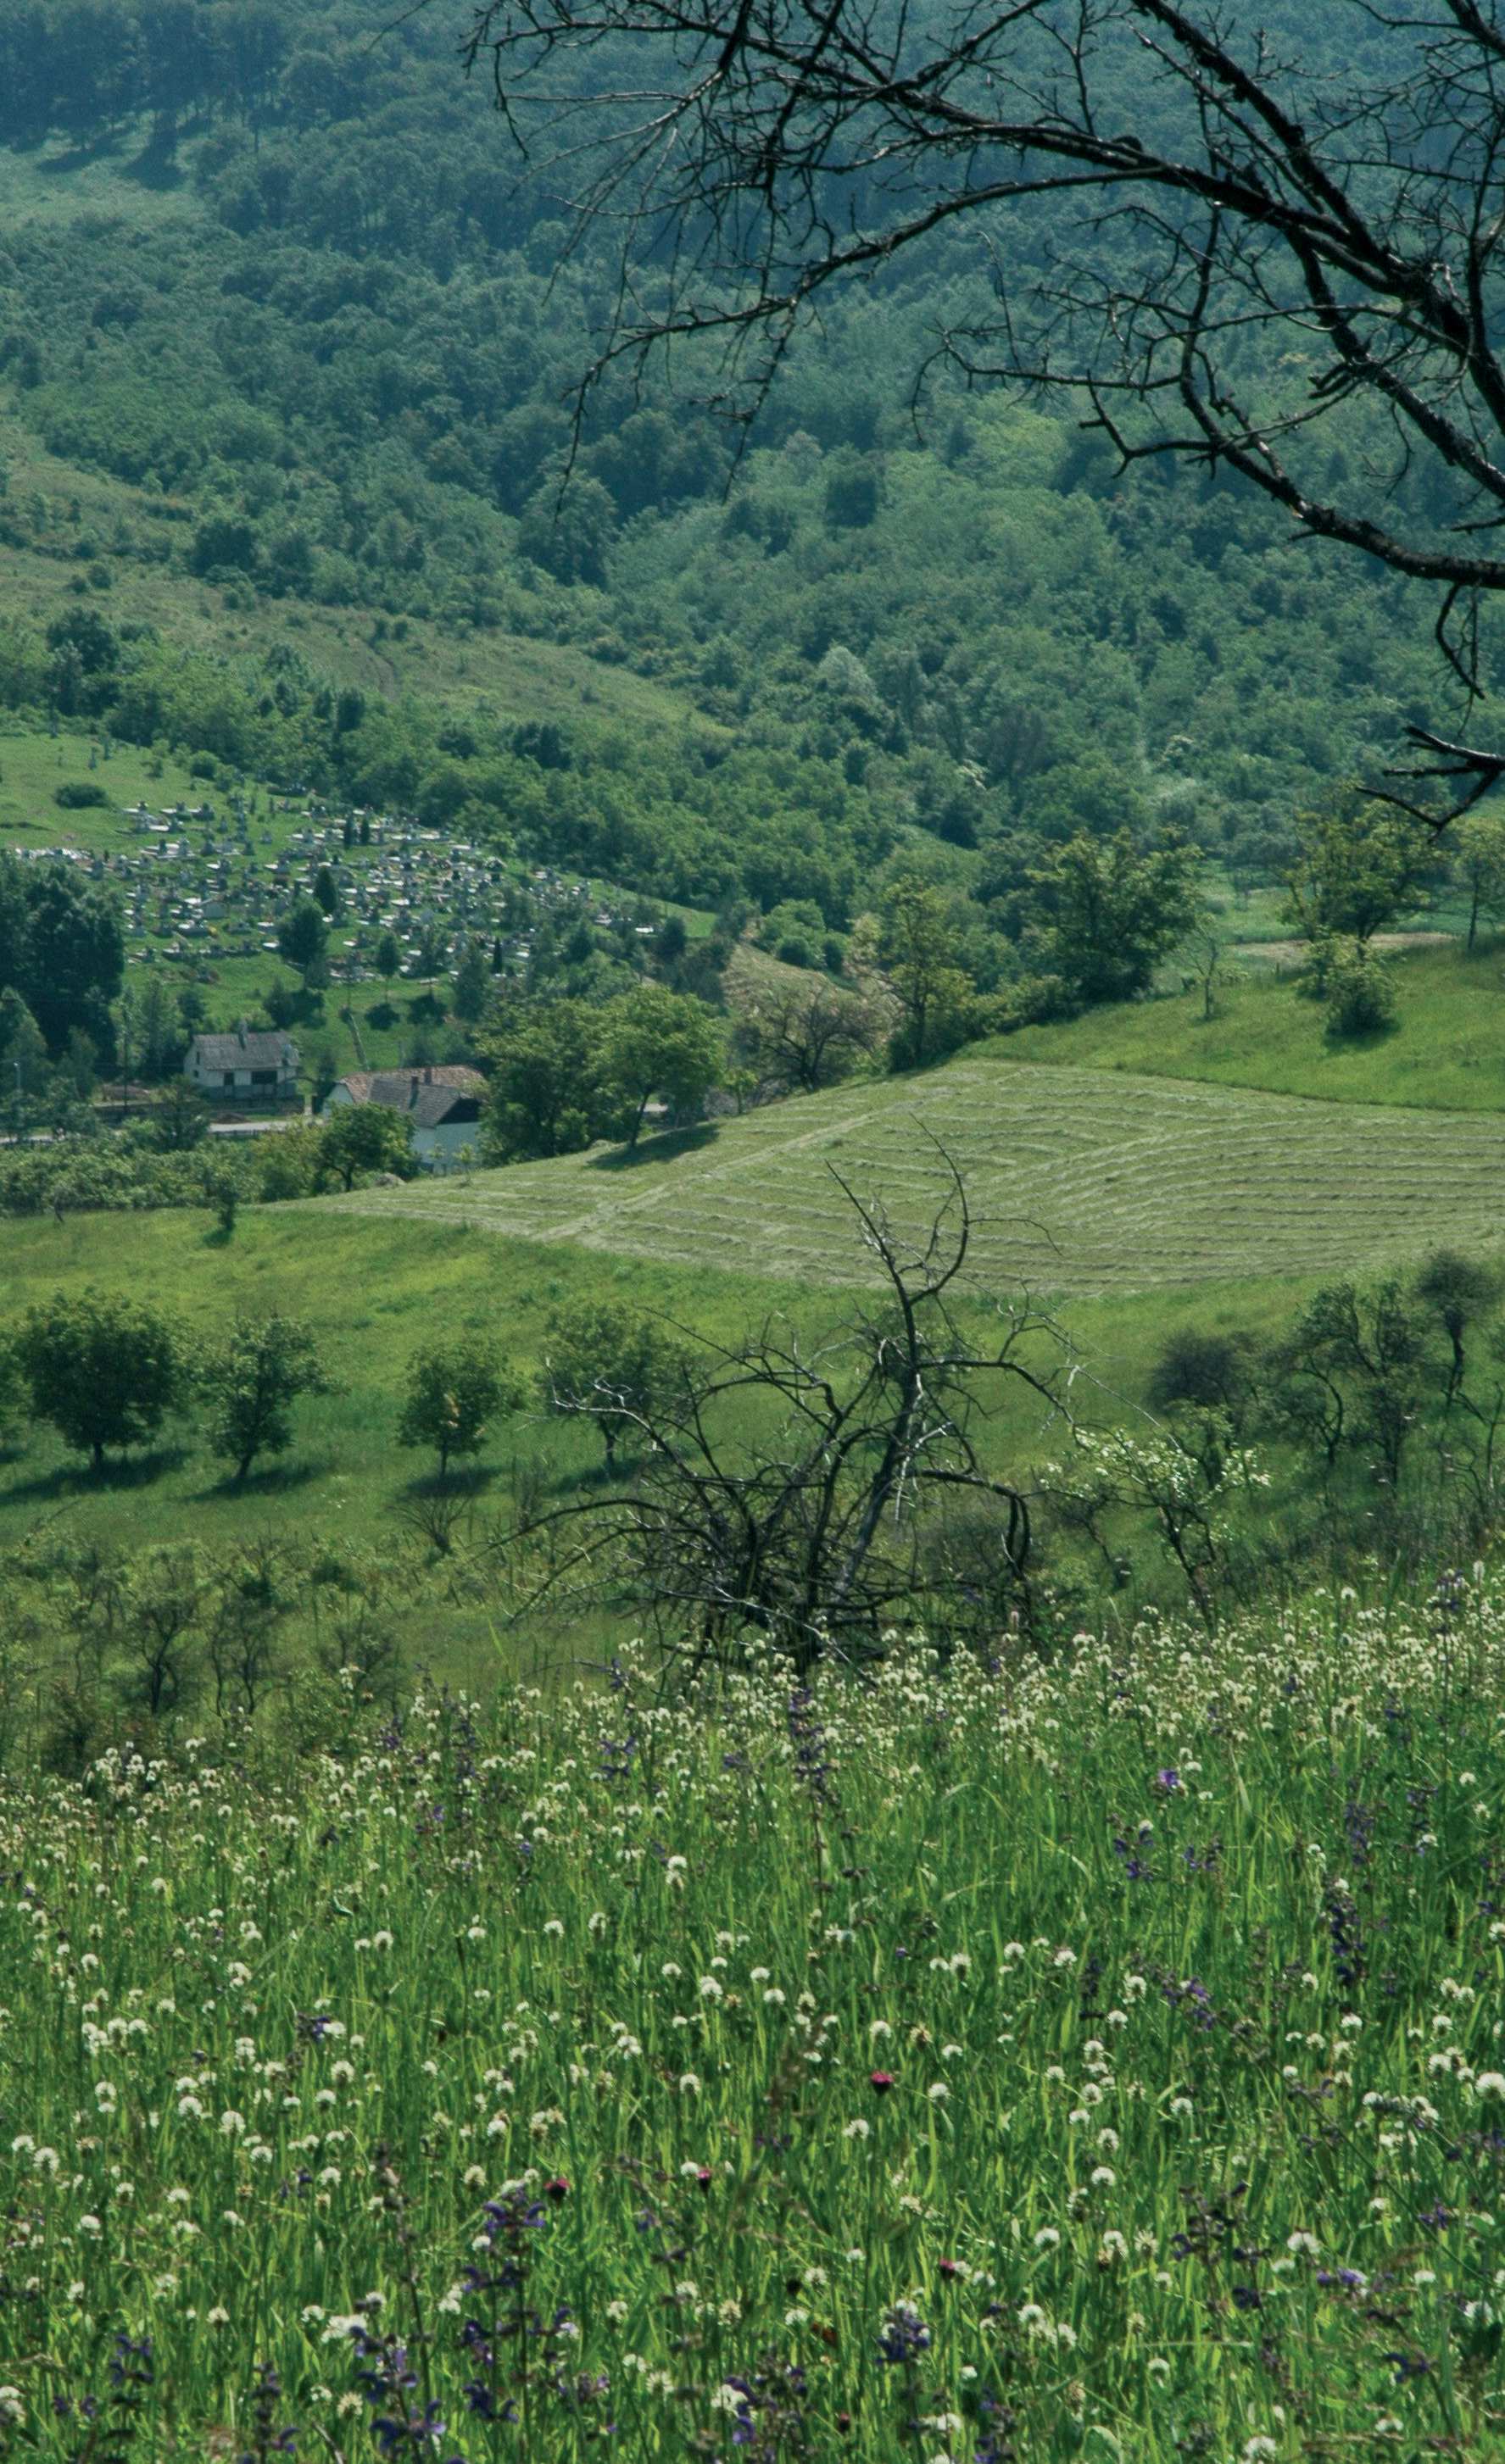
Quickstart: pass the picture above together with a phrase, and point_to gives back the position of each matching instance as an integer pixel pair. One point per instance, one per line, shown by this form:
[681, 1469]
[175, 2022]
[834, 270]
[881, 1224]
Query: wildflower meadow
[964, 2062]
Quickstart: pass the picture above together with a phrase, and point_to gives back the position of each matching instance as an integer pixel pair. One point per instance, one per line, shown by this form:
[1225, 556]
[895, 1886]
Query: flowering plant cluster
[956, 2064]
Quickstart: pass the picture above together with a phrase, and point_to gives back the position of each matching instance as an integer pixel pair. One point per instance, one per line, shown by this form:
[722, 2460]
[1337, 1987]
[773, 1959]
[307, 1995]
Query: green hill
[1447, 1051]
[1082, 1181]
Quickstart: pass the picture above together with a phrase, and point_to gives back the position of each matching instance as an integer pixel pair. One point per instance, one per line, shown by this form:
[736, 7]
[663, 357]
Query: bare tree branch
[794, 1493]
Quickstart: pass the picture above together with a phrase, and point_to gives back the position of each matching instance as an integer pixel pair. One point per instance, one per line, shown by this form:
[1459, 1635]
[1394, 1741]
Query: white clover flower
[857, 2129]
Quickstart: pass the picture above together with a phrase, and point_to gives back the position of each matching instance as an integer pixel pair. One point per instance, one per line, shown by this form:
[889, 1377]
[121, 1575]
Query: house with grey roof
[441, 1106]
[252, 1066]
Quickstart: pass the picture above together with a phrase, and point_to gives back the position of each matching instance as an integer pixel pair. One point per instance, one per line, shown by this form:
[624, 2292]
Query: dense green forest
[323, 339]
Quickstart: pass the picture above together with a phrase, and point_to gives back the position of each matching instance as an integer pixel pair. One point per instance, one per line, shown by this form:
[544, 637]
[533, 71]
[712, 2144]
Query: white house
[441, 1106]
[252, 1065]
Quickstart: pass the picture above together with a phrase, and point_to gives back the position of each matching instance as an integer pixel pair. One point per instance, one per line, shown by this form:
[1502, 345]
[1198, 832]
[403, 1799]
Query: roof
[248, 1048]
[425, 1097]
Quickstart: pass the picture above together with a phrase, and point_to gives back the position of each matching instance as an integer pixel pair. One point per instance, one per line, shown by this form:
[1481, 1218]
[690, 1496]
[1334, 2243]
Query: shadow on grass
[1359, 1039]
[77, 159]
[600, 1477]
[156, 167]
[463, 1481]
[662, 1148]
[81, 1480]
[268, 1479]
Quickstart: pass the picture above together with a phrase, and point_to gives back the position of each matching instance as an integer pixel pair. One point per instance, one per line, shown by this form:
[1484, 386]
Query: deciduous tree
[1229, 255]
[611, 1364]
[104, 1370]
[251, 1382]
[658, 1042]
[365, 1137]
[454, 1393]
[1102, 914]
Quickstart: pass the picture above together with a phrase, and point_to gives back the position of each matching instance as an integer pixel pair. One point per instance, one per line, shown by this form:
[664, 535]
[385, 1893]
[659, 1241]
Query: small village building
[441, 1106]
[249, 1066]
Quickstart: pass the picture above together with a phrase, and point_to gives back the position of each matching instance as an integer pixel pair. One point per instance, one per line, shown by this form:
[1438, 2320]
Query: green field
[1447, 1051]
[34, 764]
[375, 1288]
[1141, 1205]
[1081, 1181]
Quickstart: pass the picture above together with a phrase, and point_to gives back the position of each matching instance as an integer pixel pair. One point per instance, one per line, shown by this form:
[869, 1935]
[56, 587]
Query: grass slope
[374, 1292]
[1447, 1052]
[1082, 1181]
[963, 2065]
[375, 1286]
[147, 535]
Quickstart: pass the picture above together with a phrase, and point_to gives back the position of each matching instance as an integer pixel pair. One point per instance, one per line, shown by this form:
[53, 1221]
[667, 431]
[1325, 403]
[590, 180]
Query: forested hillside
[272, 283]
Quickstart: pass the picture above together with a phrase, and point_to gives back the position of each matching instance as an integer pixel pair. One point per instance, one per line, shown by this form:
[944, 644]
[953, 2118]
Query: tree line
[109, 1372]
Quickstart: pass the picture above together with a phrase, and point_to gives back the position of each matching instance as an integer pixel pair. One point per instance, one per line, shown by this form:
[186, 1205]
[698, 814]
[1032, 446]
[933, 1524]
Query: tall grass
[1093, 2058]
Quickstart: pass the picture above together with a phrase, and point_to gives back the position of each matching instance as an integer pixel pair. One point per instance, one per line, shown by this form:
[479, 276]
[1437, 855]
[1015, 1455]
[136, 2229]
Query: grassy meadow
[375, 1289]
[1446, 1052]
[1091, 2060]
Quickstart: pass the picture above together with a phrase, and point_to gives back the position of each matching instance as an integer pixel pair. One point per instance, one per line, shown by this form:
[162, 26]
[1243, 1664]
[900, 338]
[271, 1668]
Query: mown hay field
[1082, 1181]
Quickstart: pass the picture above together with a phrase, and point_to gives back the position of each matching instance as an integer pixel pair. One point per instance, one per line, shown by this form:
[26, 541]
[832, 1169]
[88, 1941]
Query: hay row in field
[1081, 1181]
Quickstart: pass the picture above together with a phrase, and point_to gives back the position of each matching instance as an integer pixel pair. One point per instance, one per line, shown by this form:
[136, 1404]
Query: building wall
[439, 1150]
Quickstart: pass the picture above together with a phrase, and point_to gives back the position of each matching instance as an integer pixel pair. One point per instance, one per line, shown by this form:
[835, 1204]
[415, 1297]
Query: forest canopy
[337, 370]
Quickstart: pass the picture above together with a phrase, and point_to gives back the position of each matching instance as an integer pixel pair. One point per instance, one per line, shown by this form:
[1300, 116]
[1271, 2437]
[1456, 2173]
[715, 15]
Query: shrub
[1359, 997]
[1209, 1370]
[78, 795]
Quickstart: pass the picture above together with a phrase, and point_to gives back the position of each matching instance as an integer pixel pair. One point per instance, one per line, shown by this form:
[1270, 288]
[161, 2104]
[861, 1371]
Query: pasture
[375, 1288]
[1446, 1052]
